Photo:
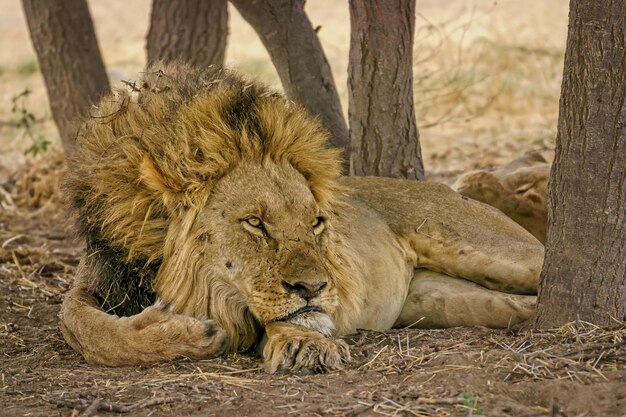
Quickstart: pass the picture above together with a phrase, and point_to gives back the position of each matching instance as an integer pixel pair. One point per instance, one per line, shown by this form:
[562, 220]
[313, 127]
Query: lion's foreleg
[294, 348]
[150, 336]
[436, 300]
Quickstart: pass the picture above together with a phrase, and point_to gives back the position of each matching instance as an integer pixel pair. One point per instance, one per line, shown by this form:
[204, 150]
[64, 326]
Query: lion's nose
[306, 289]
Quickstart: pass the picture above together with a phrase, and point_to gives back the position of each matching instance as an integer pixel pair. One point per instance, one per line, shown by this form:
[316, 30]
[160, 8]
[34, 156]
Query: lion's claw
[293, 348]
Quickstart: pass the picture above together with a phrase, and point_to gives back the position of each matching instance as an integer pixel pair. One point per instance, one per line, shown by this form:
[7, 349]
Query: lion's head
[519, 190]
[224, 188]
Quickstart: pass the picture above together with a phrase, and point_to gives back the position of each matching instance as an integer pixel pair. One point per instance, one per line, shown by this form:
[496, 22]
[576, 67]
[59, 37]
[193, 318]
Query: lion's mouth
[305, 309]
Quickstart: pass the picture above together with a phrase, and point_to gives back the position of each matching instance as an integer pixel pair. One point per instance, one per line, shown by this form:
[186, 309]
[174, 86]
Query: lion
[519, 190]
[216, 221]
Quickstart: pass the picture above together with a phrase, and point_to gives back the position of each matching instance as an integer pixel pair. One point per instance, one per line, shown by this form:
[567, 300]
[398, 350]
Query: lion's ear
[155, 179]
[173, 193]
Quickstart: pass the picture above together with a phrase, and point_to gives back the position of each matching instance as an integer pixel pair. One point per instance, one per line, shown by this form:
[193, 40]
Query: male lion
[216, 221]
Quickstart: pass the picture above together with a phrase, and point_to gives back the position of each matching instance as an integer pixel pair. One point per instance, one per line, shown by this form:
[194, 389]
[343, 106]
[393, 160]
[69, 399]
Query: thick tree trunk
[65, 42]
[193, 31]
[584, 274]
[384, 139]
[297, 54]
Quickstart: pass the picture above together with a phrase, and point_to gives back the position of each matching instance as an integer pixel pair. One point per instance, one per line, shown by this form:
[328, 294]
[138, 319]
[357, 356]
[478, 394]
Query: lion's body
[219, 199]
[400, 237]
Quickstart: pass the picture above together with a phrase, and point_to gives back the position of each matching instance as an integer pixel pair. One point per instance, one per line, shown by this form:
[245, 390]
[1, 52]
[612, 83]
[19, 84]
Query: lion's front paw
[167, 335]
[294, 348]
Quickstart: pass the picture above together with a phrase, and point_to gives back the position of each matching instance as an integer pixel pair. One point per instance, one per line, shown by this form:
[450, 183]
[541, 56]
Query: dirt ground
[487, 79]
[578, 370]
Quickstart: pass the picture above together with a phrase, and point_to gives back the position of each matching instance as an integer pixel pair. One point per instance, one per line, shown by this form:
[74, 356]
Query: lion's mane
[150, 155]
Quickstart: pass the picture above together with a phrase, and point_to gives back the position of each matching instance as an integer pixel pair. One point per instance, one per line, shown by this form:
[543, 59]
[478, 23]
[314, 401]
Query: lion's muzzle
[316, 320]
[305, 309]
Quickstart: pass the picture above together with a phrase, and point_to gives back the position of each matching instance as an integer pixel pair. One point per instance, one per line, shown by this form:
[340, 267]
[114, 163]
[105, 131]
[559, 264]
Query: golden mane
[158, 146]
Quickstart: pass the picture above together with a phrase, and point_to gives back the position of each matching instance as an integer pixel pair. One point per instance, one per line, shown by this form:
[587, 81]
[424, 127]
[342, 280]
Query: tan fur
[147, 337]
[165, 187]
[441, 301]
[519, 190]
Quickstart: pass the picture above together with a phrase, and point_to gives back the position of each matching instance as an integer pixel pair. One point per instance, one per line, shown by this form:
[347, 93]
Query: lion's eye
[318, 225]
[254, 222]
[317, 222]
[524, 188]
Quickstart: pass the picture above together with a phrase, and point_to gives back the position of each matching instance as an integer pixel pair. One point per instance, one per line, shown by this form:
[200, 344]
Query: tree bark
[193, 31]
[384, 139]
[297, 54]
[65, 42]
[584, 273]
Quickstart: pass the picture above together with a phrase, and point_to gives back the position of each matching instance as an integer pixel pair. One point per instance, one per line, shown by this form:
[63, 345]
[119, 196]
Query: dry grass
[487, 75]
[485, 93]
[577, 351]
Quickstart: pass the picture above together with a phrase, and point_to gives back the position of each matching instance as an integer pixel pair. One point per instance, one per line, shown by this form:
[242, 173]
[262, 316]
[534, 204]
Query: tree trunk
[384, 139]
[193, 31]
[297, 54]
[584, 275]
[65, 42]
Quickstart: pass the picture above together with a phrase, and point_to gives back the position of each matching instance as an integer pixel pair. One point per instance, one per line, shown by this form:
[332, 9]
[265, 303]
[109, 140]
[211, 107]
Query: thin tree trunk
[297, 54]
[384, 139]
[584, 273]
[65, 42]
[193, 31]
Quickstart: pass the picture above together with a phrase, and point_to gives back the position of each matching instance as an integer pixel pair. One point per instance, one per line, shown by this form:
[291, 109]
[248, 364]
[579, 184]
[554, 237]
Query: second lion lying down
[216, 221]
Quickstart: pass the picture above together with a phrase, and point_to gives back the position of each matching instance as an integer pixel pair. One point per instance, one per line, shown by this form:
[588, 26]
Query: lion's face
[520, 194]
[266, 238]
[529, 189]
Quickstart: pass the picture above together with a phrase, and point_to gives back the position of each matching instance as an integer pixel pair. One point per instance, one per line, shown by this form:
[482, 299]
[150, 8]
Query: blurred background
[487, 74]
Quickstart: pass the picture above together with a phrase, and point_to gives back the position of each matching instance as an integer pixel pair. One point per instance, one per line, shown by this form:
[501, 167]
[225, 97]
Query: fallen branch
[99, 405]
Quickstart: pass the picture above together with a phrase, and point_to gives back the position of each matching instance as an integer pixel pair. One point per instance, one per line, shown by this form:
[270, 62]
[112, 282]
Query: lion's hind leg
[151, 336]
[437, 301]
